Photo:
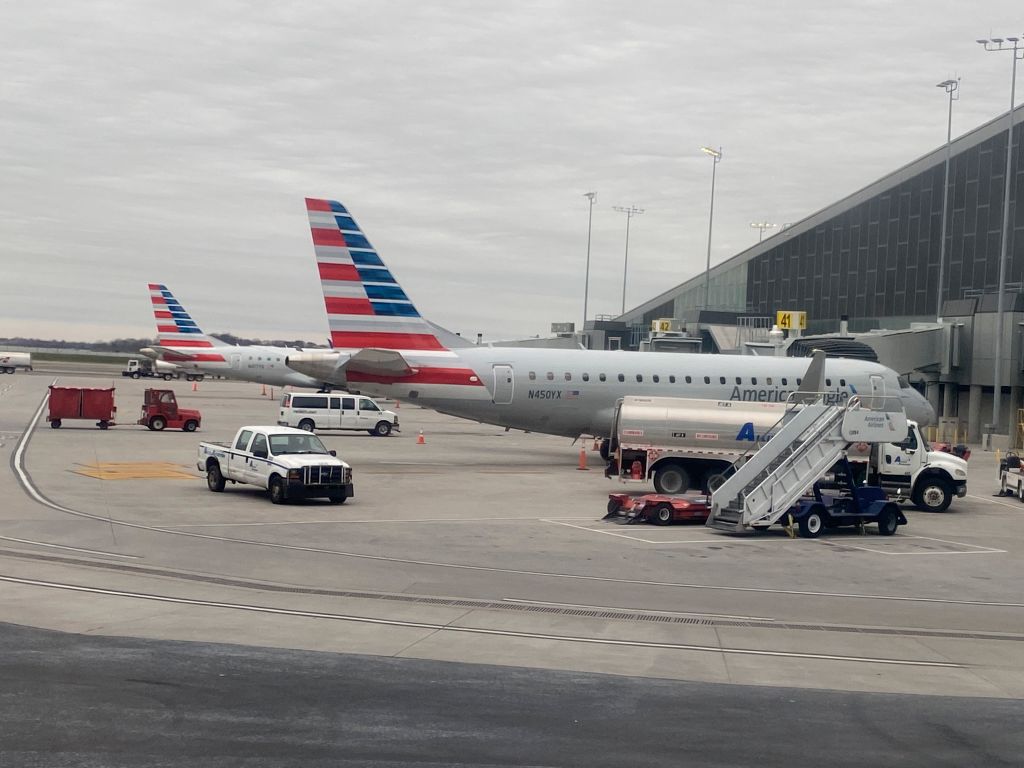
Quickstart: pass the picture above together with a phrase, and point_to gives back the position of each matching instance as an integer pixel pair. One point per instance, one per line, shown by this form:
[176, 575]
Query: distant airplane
[181, 341]
[382, 346]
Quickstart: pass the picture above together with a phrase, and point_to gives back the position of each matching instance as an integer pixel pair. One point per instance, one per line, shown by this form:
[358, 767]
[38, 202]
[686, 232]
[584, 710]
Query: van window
[286, 400]
[243, 439]
[348, 403]
[335, 403]
[309, 401]
[367, 405]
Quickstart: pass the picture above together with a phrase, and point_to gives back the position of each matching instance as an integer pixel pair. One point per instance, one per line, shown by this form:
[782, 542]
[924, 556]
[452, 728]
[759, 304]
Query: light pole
[951, 87]
[761, 226]
[630, 213]
[591, 196]
[1016, 52]
[716, 156]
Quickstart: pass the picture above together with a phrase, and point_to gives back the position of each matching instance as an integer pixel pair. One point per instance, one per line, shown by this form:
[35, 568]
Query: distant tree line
[134, 345]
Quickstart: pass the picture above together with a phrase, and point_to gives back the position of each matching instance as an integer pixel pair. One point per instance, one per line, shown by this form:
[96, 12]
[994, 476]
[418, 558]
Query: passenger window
[368, 405]
[602, 377]
[842, 382]
[533, 375]
[586, 377]
[828, 382]
[259, 446]
[621, 377]
[348, 403]
[655, 378]
[335, 403]
[784, 381]
[568, 376]
[769, 380]
[671, 379]
[243, 439]
[639, 378]
[753, 380]
[707, 379]
[721, 379]
[799, 381]
[739, 380]
[551, 376]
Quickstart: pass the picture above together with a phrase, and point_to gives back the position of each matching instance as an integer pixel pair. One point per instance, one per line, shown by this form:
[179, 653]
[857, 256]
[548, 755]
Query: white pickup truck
[289, 463]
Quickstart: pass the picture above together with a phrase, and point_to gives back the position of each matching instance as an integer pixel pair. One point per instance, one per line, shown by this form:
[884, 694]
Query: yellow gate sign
[789, 321]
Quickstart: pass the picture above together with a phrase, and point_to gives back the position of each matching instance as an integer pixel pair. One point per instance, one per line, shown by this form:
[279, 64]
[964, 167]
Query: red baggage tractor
[81, 403]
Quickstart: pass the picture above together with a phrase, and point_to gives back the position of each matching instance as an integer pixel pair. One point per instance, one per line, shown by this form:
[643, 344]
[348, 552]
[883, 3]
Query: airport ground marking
[978, 549]
[134, 470]
[586, 606]
[405, 521]
[433, 627]
[35, 494]
[72, 549]
[992, 500]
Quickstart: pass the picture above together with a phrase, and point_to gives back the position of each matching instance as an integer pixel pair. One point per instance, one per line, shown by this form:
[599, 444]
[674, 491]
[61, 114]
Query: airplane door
[236, 361]
[504, 383]
[877, 401]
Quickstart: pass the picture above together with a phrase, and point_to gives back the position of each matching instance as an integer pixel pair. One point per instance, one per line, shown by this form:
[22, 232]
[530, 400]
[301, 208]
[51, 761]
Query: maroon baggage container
[81, 403]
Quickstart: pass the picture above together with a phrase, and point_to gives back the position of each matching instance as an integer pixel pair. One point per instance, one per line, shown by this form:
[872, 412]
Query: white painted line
[362, 522]
[978, 550]
[994, 500]
[478, 630]
[714, 540]
[72, 549]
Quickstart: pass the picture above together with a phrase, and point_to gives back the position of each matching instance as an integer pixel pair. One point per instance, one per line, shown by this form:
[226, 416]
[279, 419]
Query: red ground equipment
[658, 508]
[160, 410]
[81, 403]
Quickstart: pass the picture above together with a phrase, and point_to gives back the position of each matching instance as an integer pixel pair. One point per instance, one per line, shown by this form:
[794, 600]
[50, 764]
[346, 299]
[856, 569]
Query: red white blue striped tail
[366, 307]
[176, 330]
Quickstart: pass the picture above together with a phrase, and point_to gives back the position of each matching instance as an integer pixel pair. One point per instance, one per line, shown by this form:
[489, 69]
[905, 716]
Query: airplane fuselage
[263, 365]
[573, 392]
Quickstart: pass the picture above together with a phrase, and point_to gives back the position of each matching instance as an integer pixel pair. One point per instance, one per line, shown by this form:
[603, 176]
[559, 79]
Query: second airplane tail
[178, 336]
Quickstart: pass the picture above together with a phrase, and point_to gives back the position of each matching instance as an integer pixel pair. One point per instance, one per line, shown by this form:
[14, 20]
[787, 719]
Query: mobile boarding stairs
[812, 438]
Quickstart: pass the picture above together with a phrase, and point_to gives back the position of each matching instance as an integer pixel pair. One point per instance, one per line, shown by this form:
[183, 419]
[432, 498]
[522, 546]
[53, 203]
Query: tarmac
[486, 547]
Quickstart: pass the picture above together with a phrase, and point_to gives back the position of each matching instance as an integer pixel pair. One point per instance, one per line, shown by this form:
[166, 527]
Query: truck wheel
[1020, 491]
[671, 478]
[888, 521]
[383, 429]
[337, 497]
[934, 495]
[168, 377]
[811, 524]
[55, 424]
[135, 374]
[190, 425]
[276, 490]
[157, 423]
[103, 424]
[214, 479]
[307, 424]
[661, 514]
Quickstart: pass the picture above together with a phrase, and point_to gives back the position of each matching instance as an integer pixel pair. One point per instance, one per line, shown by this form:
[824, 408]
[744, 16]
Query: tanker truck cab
[932, 478]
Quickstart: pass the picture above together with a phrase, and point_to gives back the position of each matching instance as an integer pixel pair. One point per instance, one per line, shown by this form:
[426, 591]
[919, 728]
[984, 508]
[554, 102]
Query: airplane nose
[919, 409]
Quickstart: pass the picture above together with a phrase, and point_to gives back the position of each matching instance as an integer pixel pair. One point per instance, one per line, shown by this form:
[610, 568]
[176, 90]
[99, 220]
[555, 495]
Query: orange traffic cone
[420, 440]
[195, 386]
[397, 405]
[583, 458]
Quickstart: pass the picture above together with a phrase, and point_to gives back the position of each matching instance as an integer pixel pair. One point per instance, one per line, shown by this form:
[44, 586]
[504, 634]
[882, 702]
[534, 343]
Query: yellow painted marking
[134, 470]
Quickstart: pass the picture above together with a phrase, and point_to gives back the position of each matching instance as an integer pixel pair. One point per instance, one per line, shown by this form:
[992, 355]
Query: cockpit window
[904, 382]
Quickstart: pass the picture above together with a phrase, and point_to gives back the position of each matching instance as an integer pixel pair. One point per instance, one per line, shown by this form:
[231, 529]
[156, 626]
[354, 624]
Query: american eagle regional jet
[384, 347]
[182, 342]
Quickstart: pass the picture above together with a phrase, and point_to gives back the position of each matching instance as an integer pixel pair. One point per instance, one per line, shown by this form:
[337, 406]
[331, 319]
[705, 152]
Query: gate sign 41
[789, 321]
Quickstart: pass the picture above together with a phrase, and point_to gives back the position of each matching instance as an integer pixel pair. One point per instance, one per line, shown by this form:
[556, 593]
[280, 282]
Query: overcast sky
[174, 142]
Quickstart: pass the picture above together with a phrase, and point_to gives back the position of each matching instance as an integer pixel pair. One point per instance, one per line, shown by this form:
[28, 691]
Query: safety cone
[420, 440]
[597, 444]
[195, 385]
[397, 405]
[583, 458]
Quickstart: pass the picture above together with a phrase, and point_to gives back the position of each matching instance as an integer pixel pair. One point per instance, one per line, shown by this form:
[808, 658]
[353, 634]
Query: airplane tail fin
[176, 330]
[366, 307]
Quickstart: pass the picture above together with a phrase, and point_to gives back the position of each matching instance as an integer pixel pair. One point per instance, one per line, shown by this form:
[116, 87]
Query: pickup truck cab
[288, 463]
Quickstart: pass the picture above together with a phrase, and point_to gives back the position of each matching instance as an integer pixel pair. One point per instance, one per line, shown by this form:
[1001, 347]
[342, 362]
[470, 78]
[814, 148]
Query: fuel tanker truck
[691, 444]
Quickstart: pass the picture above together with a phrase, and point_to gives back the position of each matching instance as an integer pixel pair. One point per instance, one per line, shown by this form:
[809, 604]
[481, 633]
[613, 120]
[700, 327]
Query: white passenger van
[339, 410]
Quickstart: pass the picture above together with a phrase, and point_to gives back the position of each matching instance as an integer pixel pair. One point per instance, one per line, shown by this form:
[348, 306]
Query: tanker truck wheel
[671, 478]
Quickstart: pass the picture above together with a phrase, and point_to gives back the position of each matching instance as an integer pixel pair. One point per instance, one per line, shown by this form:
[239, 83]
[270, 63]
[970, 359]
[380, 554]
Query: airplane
[181, 341]
[384, 347]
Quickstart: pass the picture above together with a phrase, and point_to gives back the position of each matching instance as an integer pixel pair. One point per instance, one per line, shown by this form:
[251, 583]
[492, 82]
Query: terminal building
[873, 257]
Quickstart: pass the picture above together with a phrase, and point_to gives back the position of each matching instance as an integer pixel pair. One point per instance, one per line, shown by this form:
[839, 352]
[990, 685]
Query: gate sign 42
[789, 321]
